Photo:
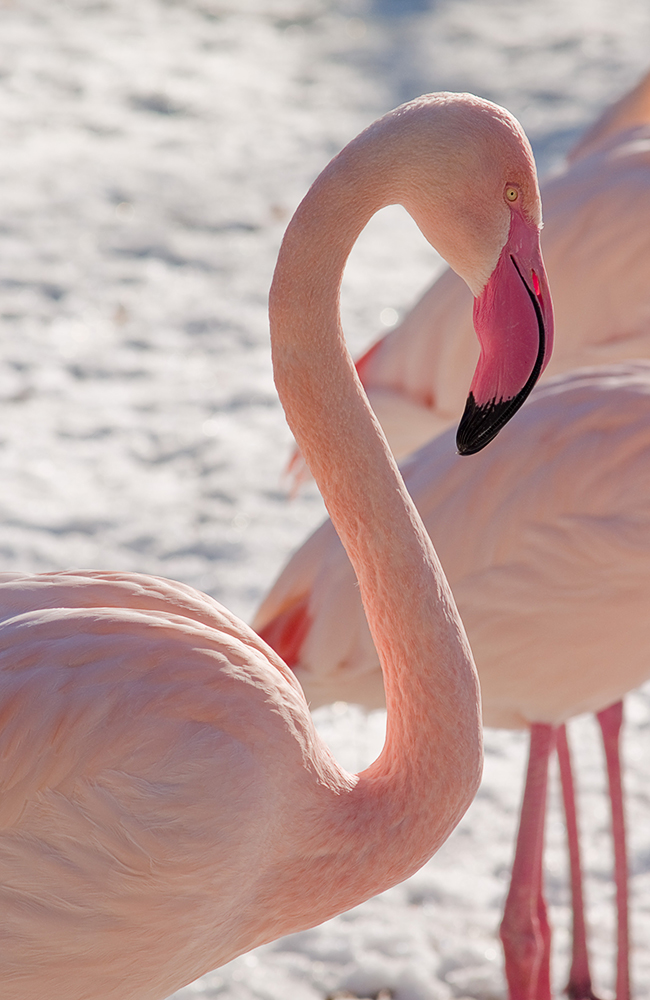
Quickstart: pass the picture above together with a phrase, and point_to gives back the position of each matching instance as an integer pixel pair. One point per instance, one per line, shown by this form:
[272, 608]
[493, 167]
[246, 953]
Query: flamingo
[166, 802]
[545, 540]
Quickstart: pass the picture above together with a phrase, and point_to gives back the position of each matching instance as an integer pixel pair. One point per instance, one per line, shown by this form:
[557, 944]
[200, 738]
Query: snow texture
[152, 153]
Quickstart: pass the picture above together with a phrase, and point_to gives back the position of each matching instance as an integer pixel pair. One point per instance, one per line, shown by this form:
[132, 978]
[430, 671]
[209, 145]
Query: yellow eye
[511, 193]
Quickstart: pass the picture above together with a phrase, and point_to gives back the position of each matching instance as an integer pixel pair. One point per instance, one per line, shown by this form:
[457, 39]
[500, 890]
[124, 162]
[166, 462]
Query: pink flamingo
[545, 541]
[166, 802]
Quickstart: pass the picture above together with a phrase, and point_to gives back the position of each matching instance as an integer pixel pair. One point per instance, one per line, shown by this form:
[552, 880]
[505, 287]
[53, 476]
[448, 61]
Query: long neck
[429, 768]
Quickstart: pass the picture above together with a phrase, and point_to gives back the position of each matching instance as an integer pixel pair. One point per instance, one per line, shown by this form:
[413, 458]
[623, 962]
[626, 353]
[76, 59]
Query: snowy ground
[151, 154]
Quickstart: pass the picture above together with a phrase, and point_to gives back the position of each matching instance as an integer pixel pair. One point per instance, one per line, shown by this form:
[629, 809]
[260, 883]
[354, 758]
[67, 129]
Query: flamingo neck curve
[413, 794]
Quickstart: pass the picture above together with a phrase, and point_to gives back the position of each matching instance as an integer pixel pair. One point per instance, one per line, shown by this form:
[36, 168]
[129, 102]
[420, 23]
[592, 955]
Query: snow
[151, 155]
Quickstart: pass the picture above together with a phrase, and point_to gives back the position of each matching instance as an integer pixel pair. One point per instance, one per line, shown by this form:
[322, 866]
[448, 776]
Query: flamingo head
[482, 212]
[513, 319]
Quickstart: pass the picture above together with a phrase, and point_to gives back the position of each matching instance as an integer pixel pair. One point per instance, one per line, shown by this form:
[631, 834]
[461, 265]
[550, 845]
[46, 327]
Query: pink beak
[513, 319]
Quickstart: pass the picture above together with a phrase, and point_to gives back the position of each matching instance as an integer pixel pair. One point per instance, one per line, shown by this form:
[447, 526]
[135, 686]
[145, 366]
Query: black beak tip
[480, 424]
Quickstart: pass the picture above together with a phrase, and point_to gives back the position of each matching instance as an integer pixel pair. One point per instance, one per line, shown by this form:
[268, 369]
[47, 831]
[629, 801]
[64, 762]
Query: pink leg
[610, 723]
[544, 975]
[579, 985]
[524, 929]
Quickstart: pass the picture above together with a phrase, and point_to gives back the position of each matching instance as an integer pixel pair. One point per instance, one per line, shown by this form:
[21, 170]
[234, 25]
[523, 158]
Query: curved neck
[430, 765]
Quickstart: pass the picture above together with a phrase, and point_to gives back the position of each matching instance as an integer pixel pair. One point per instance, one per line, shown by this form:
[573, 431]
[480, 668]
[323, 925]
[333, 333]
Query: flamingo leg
[610, 720]
[579, 985]
[544, 974]
[525, 933]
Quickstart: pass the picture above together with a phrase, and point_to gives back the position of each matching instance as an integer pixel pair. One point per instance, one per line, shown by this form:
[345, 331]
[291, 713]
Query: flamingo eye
[511, 193]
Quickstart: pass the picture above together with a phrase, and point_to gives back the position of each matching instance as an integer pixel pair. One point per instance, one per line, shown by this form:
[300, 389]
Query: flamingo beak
[513, 319]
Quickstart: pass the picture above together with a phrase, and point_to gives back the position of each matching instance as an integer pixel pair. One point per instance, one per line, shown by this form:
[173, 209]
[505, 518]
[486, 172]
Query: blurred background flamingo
[545, 538]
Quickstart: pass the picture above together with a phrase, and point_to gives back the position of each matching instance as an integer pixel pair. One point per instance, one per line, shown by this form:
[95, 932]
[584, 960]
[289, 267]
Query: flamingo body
[545, 540]
[129, 775]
